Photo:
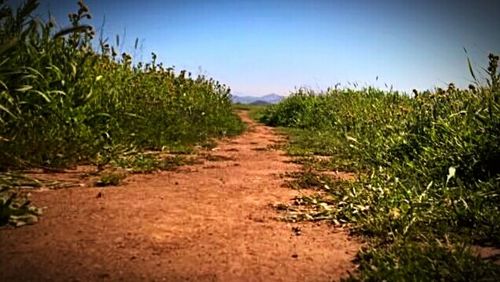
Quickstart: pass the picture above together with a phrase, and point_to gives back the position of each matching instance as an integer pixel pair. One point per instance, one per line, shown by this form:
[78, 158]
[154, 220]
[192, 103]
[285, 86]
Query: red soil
[205, 222]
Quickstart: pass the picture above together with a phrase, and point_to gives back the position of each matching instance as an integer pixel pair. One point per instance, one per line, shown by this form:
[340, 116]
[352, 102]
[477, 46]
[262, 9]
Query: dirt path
[206, 222]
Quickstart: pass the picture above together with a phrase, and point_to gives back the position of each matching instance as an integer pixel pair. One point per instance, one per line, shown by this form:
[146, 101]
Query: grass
[111, 178]
[254, 111]
[64, 101]
[427, 182]
[428, 179]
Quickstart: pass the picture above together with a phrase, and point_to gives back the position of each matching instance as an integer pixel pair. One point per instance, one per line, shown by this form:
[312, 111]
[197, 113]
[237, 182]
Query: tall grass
[428, 167]
[63, 102]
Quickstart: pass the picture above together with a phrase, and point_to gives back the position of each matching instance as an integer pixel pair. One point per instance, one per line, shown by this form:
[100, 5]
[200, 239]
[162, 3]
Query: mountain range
[255, 100]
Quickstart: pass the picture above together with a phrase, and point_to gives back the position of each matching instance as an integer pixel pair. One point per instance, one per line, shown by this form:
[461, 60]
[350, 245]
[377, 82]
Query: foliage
[427, 261]
[15, 208]
[111, 178]
[63, 102]
[254, 111]
[428, 166]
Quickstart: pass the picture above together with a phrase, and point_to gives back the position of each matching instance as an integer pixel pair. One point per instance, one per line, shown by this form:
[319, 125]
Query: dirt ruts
[206, 222]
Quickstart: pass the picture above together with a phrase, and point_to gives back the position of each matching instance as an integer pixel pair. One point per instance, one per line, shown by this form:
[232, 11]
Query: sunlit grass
[427, 169]
[62, 102]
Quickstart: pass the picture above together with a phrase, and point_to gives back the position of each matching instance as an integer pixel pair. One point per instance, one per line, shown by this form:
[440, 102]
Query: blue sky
[261, 47]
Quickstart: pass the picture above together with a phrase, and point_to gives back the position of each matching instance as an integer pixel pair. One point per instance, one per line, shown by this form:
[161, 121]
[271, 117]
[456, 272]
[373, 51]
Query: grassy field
[65, 102]
[427, 186]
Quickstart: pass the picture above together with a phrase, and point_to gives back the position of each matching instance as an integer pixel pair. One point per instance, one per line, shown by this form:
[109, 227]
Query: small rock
[296, 231]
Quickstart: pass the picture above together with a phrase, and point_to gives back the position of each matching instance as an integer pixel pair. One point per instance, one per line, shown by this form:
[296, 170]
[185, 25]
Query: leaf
[43, 95]
[59, 92]
[325, 206]
[35, 71]
[73, 69]
[27, 8]
[7, 111]
[352, 139]
[469, 64]
[8, 45]
[451, 173]
[24, 88]
[73, 29]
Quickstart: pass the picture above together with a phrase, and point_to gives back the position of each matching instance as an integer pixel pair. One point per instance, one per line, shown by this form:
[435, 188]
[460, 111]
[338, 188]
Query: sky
[275, 46]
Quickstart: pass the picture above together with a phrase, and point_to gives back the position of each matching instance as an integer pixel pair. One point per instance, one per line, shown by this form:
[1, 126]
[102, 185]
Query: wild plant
[428, 171]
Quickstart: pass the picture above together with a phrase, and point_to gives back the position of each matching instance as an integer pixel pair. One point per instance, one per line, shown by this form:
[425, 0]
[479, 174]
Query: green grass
[427, 171]
[244, 107]
[254, 111]
[111, 178]
[65, 102]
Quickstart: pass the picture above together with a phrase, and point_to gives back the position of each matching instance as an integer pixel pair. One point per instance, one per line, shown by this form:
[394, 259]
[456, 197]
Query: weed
[15, 208]
[146, 163]
[172, 162]
[217, 158]
[427, 171]
[64, 101]
[111, 178]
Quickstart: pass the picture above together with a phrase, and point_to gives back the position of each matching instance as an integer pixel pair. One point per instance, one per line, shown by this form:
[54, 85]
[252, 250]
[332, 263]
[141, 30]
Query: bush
[62, 102]
[428, 165]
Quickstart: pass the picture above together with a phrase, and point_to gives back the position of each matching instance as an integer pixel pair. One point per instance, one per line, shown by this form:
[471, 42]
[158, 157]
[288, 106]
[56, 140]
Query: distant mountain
[267, 99]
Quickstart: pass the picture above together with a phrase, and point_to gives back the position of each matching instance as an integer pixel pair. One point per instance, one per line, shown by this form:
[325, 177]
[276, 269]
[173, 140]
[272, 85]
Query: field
[157, 175]
[426, 181]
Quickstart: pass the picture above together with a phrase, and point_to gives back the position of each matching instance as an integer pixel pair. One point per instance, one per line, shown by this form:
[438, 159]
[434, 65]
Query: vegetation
[428, 166]
[254, 111]
[111, 178]
[15, 208]
[62, 102]
[428, 174]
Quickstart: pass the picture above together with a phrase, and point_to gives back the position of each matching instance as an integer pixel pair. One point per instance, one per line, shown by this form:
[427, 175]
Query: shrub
[428, 166]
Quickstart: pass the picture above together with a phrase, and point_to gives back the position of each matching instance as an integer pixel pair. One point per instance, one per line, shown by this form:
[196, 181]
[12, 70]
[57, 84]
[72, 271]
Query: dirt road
[205, 222]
